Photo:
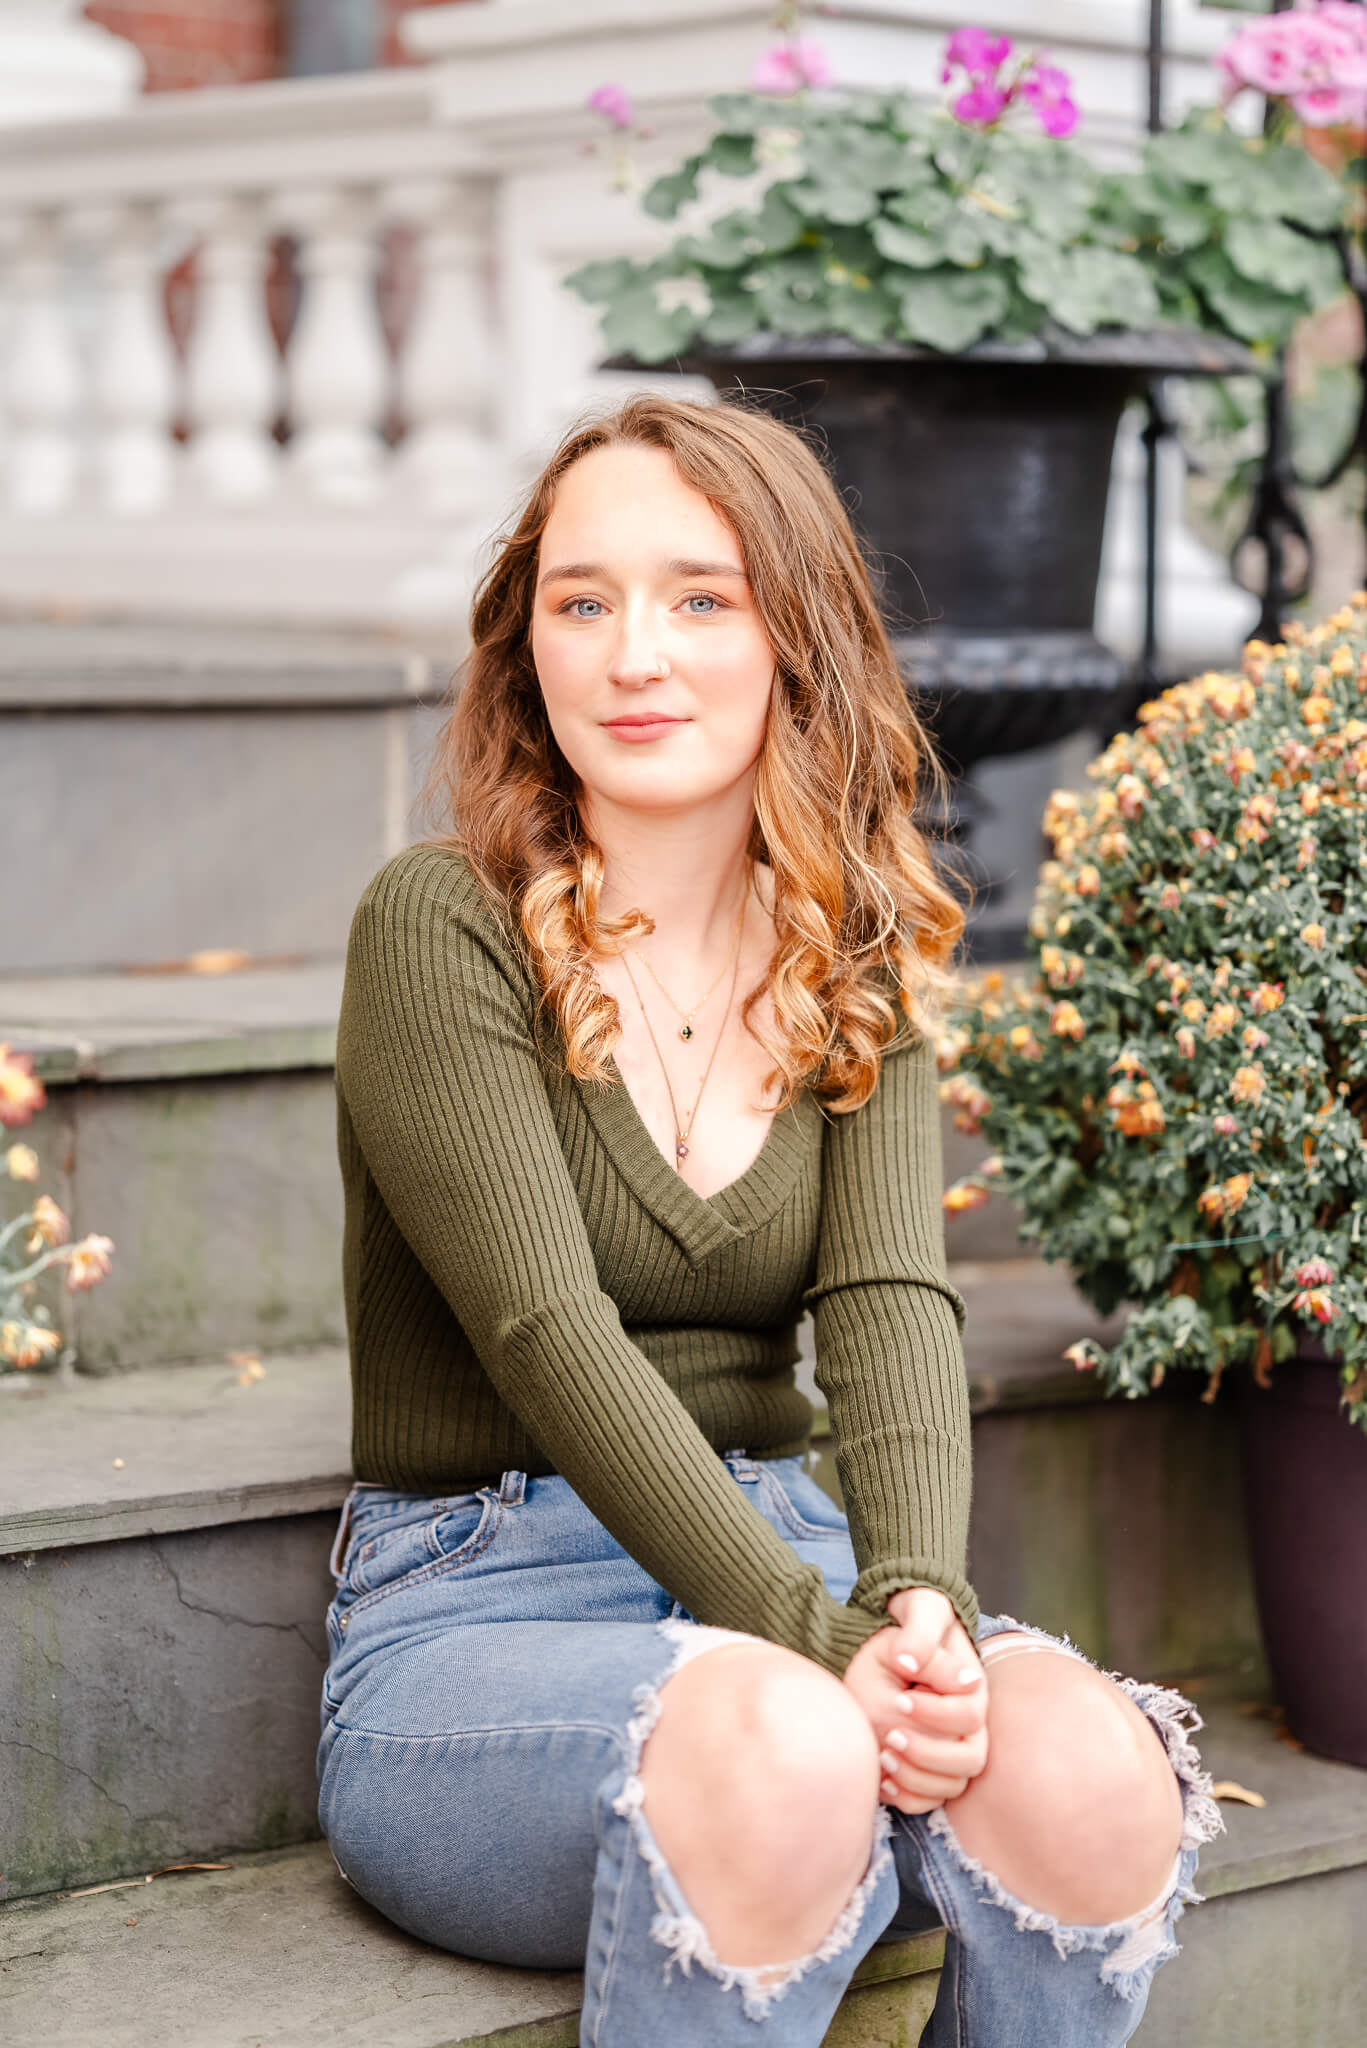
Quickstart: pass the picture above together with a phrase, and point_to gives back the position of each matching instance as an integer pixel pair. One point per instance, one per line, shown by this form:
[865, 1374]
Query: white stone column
[232, 381]
[53, 64]
[133, 374]
[42, 381]
[446, 364]
[339, 368]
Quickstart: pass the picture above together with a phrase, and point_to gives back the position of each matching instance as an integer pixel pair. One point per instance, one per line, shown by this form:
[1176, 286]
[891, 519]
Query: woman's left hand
[925, 1693]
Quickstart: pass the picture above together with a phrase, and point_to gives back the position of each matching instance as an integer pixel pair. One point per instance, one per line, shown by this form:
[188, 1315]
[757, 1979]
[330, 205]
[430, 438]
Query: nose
[636, 657]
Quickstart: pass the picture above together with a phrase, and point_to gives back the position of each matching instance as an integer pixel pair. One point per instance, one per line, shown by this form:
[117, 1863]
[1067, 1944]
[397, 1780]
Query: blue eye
[701, 597]
[574, 604]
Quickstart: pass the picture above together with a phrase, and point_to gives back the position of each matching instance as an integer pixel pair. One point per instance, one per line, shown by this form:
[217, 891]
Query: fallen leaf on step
[249, 1367]
[1225, 1788]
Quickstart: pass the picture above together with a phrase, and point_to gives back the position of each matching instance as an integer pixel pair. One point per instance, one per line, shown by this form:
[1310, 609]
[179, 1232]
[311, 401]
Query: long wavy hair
[863, 923]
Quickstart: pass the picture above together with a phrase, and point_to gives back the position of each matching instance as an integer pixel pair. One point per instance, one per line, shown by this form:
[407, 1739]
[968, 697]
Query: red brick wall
[197, 42]
[219, 42]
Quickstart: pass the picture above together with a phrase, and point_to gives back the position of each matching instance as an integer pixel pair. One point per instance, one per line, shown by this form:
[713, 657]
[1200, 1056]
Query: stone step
[277, 1952]
[192, 1118]
[220, 787]
[164, 1538]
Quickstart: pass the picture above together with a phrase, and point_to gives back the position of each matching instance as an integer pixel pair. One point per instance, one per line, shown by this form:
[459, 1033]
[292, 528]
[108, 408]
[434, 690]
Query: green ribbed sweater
[530, 1285]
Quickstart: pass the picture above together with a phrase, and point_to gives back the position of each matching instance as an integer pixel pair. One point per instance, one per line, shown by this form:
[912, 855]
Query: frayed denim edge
[1144, 1940]
[677, 1930]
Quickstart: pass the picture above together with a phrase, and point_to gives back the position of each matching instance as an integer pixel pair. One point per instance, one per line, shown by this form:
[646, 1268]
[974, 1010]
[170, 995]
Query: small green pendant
[685, 1031]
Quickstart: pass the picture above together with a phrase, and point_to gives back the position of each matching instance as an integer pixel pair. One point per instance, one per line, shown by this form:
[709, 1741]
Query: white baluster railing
[404, 431]
[43, 373]
[339, 370]
[134, 373]
[232, 381]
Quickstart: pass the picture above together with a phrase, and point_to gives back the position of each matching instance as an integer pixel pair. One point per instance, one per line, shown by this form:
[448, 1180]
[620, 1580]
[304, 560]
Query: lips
[637, 729]
[660, 718]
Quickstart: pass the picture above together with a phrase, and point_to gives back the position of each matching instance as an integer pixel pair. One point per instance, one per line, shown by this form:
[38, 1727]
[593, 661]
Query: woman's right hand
[932, 1728]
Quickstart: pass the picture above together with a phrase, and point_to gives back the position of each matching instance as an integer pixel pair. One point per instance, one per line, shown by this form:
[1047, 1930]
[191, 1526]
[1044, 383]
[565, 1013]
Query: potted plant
[35, 1240]
[1177, 1097]
[962, 301]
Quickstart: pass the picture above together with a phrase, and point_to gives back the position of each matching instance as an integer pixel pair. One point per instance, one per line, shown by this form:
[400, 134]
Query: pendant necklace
[686, 1028]
[683, 1131]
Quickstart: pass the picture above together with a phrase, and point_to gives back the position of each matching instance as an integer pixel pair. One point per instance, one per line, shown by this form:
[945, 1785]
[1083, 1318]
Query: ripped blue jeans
[495, 1666]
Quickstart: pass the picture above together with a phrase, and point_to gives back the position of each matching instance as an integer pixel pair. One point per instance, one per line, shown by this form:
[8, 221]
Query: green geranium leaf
[911, 246]
[1101, 288]
[634, 325]
[601, 282]
[734, 317]
[843, 202]
[950, 309]
[664, 198]
[1270, 253]
[1250, 312]
[926, 207]
[732, 155]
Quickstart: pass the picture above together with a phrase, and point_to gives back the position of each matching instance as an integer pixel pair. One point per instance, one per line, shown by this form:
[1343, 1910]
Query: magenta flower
[976, 52]
[787, 67]
[1049, 91]
[614, 103]
[980, 106]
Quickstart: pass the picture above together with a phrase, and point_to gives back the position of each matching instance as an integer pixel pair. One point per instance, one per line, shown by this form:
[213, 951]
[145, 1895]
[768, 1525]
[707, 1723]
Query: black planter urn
[1305, 1488]
[979, 483]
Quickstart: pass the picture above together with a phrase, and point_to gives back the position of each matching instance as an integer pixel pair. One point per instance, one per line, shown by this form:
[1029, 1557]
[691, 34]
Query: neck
[687, 874]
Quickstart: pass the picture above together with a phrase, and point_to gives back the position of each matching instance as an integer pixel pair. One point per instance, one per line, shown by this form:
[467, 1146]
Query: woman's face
[653, 661]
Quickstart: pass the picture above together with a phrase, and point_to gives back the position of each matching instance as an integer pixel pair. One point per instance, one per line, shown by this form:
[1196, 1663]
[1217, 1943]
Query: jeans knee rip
[678, 1930]
[1136, 1945]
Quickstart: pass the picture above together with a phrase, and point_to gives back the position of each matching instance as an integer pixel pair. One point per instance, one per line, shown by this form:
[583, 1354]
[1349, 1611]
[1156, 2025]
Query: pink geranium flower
[991, 91]
[613, 102]
[787, 67]
[976, 52]
[981, 104]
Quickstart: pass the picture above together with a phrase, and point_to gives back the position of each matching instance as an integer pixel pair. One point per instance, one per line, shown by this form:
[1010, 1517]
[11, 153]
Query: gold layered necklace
[686, 1027]
[684, 1131]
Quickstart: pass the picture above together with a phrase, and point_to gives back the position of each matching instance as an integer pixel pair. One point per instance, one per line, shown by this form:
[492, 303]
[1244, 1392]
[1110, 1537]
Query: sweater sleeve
[438, 1065]
[888, 1328]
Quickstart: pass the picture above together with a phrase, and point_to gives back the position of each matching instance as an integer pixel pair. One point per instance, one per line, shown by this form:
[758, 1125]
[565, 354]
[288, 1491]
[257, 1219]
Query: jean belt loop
[339, 1541]
[512, 1489]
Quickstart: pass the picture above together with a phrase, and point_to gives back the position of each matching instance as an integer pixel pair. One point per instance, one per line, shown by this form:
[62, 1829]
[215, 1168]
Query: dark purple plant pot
[1305, 1485]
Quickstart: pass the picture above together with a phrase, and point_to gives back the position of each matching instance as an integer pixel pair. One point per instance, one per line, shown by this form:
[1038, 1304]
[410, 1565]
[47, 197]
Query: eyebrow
[680, 565]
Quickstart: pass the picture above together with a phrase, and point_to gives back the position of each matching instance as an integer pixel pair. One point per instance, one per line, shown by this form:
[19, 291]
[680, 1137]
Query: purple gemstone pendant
[681, 1150]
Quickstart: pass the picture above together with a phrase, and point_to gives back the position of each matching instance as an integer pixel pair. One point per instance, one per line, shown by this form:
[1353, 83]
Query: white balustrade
[133, 374]
[42, 380]
[232, 383]
[490, 164]
[339, 370]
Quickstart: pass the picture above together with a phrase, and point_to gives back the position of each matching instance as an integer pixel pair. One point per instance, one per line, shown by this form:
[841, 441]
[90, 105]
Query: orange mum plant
[1176, 1093]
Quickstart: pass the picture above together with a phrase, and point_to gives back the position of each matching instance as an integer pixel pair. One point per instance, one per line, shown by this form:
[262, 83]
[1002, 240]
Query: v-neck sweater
[531, 1286]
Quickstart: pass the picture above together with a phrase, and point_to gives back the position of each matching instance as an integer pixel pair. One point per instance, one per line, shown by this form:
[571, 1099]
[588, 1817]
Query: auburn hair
[863, 922]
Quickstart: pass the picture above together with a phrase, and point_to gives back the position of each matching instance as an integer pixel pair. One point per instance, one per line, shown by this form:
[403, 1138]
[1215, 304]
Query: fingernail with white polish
[907, 1663]
[907, 1703]
[890, 1789]
[895, 1739]
[968, 1676]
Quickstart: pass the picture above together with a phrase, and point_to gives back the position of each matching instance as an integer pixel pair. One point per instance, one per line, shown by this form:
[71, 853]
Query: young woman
[633, 1069]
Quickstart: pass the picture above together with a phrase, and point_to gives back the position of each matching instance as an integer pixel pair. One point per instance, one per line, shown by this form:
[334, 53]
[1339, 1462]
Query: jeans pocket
[798, 1504]
[394, 1558]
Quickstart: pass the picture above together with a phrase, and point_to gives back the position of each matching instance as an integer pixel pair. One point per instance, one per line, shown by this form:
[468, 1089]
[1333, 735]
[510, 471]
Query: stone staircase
[165, 1519]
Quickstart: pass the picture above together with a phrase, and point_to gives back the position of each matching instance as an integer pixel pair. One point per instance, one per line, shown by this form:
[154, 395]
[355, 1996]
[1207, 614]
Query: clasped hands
[925, 1693]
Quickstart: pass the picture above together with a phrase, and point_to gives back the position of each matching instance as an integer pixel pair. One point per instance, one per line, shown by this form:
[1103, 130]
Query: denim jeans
[495, 1665]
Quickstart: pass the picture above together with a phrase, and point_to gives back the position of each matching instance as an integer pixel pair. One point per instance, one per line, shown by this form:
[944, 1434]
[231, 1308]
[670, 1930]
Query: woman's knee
[760, 1749]
[1079, 1812]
